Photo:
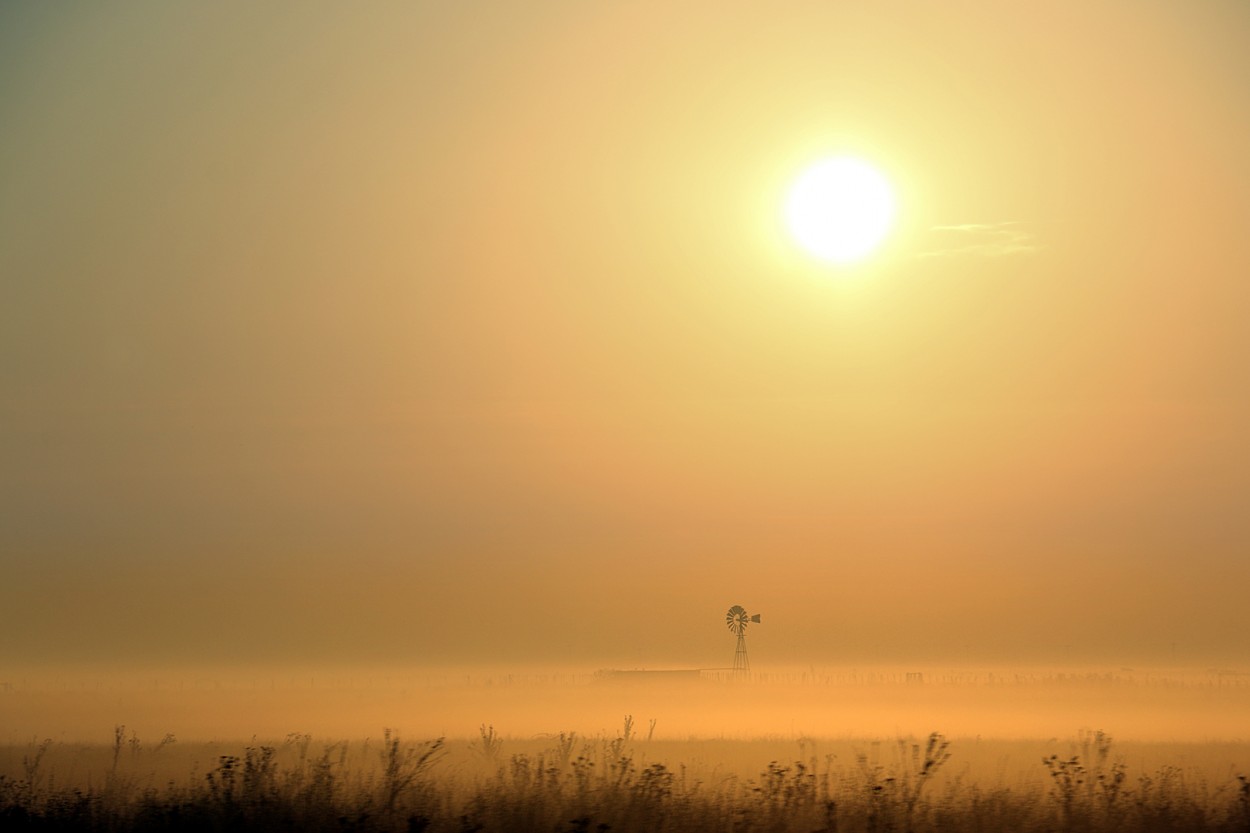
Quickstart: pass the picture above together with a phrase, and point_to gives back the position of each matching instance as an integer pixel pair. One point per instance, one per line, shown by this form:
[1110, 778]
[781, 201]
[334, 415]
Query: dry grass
[613, 782]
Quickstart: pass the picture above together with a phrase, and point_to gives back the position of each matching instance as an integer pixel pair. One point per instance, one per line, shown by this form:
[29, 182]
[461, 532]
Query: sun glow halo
[840, 209]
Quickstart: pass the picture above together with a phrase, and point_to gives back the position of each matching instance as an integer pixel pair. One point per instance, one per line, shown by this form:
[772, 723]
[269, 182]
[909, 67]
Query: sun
[840, 209]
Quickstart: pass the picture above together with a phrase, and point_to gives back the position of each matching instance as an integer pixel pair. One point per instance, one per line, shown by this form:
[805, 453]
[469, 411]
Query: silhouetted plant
[490, 742]
[1243, 801]
[564, 746]
[221, 781]
[923, 767]
[402, 767]
[119, 737]
[259, 775]
[1067, 775]
[31, 761]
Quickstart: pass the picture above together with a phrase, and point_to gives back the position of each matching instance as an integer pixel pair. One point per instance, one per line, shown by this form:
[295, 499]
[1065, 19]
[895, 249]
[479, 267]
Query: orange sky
[450, 332]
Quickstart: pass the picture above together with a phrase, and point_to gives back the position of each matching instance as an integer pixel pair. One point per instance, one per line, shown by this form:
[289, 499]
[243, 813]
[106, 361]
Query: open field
[800, 750]
[622, 781]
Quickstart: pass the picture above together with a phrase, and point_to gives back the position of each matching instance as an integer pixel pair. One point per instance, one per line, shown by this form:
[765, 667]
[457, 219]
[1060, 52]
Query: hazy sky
[434, 332]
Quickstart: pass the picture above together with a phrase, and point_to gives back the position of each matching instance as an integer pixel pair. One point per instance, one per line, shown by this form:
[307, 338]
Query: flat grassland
[625, 782]
[649, 774]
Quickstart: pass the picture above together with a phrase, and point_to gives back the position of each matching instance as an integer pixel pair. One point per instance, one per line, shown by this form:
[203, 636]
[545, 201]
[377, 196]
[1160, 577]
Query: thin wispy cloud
[981, 240]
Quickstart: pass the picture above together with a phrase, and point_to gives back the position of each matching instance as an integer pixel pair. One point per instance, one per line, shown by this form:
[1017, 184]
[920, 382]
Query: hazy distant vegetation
[566, 782]
[234, 703]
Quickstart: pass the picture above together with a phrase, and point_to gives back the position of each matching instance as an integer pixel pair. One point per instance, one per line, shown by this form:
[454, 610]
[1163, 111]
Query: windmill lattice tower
[737, 620]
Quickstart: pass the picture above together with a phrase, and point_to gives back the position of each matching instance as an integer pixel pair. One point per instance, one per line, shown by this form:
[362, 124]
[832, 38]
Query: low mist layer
[225, 704]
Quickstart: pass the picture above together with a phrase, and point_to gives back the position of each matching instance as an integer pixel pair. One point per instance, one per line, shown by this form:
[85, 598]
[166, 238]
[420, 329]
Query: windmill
[737, 620]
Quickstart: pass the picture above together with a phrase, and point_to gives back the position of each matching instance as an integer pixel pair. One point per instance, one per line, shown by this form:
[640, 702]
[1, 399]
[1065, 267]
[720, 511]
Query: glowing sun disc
[840, 209]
